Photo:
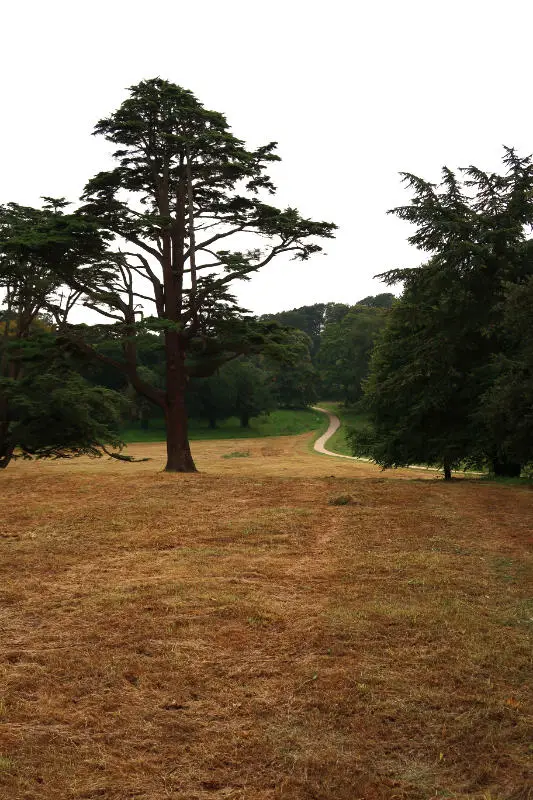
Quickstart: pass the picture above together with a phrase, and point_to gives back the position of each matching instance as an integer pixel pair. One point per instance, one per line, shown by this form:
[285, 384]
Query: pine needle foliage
[435, 363]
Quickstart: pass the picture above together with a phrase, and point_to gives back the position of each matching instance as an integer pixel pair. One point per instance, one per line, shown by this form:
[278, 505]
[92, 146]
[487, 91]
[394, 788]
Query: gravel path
[334, 424]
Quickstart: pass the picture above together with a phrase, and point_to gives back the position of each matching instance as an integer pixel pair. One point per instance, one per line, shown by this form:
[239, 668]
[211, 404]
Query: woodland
[442, 371]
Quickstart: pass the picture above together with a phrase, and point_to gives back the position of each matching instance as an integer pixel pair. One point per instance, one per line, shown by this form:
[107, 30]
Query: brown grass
[237, 635]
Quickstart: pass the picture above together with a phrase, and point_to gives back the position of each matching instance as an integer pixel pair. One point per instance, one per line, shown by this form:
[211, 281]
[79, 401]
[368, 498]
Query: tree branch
[150, 392]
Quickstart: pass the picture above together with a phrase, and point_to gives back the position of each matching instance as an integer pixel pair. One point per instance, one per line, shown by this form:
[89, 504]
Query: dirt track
[334, 425]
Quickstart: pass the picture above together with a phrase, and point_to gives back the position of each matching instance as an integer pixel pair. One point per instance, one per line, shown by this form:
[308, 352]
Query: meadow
[281, 422]
[282, 625]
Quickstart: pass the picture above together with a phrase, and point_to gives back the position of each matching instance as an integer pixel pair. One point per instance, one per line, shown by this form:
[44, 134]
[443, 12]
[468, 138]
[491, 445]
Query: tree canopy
[345, 349]
[183, 189]
[46, 408]
[434, 368]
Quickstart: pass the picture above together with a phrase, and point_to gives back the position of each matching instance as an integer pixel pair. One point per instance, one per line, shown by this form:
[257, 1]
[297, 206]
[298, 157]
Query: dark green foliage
[253, 390]
[335, 312]
[183, 185]
[140, 407]
[345, 349]
[309, 319]
[211, 399]
[339, 351]
[239, 389]
[417, 398]
[57, 414]
[294, 378]
[432, 393]
[384, 300]
[41, 248]
[46, 409]
[295, 386]
[362, 441]
[506, 410]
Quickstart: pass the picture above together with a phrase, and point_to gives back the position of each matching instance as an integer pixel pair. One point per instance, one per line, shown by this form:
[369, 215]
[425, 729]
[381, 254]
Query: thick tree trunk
[6, 448]
[6, 457]
[179, 458]
[447, 472]
[245, 420]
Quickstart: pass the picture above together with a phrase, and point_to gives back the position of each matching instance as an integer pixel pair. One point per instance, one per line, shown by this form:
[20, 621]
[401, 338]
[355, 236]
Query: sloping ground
[236, 634]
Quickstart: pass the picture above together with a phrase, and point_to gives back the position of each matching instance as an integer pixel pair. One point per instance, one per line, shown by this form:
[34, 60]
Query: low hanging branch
[122, 457]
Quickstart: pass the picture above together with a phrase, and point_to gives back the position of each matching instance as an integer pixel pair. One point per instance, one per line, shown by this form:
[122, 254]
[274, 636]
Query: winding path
[334, 425]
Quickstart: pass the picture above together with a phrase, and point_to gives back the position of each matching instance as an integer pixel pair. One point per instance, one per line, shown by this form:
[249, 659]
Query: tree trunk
[245, 420]
[192, 239]
[6, 457]
[179, 458]
[447, 472]
[6, 448]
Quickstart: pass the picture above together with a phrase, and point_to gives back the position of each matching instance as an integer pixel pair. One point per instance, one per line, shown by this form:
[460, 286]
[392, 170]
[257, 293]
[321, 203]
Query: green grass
[237, 454]
[350, 418]
[525, 480]
[283, 422]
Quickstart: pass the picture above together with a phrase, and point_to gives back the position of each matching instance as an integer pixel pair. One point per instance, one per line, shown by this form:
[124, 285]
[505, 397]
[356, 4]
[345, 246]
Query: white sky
[353, 92]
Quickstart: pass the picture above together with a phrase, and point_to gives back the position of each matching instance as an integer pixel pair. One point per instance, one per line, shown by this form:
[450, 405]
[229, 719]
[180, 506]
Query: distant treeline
[325, 352]
[341, 340]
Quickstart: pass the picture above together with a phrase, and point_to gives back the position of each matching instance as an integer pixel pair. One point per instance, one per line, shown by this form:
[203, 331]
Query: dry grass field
[236, 635]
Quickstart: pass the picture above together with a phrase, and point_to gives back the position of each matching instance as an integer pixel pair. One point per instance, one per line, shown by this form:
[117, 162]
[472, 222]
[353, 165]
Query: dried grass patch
[233, 635]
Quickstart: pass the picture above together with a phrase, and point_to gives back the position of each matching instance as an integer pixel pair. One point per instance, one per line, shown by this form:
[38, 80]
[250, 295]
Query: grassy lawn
[349, 419]
[278, 423]
[239, 634]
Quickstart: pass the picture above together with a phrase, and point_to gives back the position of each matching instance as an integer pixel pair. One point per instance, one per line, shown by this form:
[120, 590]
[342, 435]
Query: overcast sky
[354, 92]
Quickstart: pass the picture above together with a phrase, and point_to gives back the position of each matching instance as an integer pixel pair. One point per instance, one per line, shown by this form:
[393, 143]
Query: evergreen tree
[294, 378]
[46, 409]
[182, 187]
[345, 350]
[505, 415]
[383, 300]
[211, 398]
[434, 364]
[253, 392]
[53, 411]
[309, 319]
